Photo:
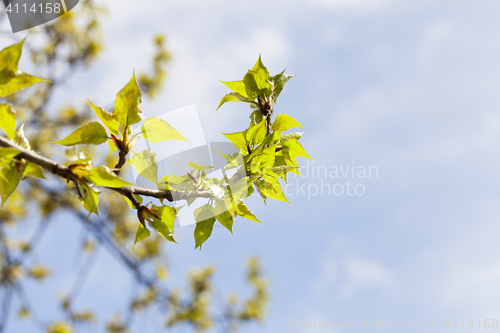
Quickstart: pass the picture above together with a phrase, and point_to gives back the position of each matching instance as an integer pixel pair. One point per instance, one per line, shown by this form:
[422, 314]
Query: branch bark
[128, 191]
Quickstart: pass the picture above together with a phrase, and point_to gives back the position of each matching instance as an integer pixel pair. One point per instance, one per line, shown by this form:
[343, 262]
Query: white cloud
[364, 274]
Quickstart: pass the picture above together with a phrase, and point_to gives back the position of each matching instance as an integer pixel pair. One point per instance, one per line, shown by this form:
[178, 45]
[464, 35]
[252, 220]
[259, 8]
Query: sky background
[410, 87]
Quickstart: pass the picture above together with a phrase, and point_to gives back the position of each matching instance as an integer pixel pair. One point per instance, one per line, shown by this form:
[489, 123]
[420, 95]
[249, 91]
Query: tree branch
[128, 191]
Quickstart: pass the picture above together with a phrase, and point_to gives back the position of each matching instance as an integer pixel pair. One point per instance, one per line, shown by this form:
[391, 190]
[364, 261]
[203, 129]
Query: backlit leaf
[11, 79]
[205, 220]
[128, 104]
[145, 164]
[243, 211]
[8, 120]
[284, 122]
[238, 139]
[34, 170]
[92, 133]
[103, 176]
[141, 234]
[11, 174]
[234, 97]
[279, 81]
[236, 86]
[223, 213]
[158, 130]
[271, 190]
[107, 119]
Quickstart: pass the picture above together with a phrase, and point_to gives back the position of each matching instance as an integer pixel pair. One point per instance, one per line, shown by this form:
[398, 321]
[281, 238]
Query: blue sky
[410, 87]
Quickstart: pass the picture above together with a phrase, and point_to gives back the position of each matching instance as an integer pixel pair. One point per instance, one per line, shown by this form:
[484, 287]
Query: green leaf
[256, 134]
[145, 164]
[34, 170]
[223, 213]
[11, 175]
[237, 86]
[128, 104]
[259, 67]
[284, 122]
[167, 215]
[112, 147]
[21, 139]
[92, 133]
[9, 57]
[205, 220]
[103, 176]
[256, 118]
[19, 82]
[285, 137]
[89, 199]
[11, 79]
[257, 84]
[158, 130]
[234, 97]
[199, 167]
[238, 139]
[8, 153]
[243, 211]
[142, 234]
[107, 119]
[279, 81]
[271, 190]
[165, 225]
[295, 149]
[8, 117]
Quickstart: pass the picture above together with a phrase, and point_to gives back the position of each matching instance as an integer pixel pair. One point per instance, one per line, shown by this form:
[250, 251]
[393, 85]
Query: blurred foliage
[58, 51]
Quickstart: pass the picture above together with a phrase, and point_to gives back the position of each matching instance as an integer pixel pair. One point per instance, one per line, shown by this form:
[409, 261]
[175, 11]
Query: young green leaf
[103, 176]
[8, 153]
[128, 104]
[11, 175]
[243, 211]
[237, 86]
[92, 133]
[259, 67]
[256, 118]
[284, 122]
[257, 84]
[256, 134]
[295, 149]
[205, 220]
[145, 164]
[224, 214]
[11, 79]
[235, 97]
[19, 82]
[21, 139]
[89, 199]
[199, 167]
[142, 233]
[8, 123]
[167, 215]
[158, 130]
[238, 139]
[271, 190]
[34, 170]
[279, 81]
[107, 119]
